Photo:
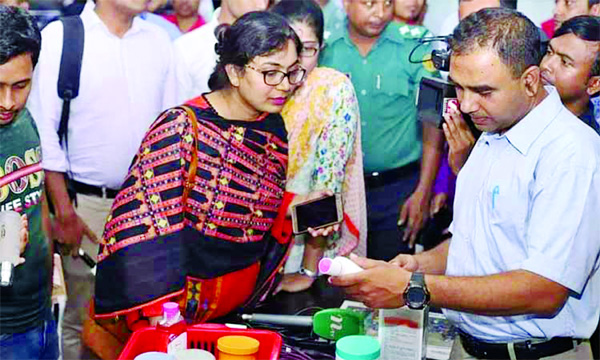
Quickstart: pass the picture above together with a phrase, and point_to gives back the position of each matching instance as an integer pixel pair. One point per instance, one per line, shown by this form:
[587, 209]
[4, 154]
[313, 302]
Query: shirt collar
[527, 130]
[92, 20]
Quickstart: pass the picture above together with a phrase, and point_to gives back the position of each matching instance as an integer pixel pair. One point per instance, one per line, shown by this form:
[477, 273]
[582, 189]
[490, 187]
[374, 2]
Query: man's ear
[531, 80]
[234, 74]
[595, 10]
[593, 85]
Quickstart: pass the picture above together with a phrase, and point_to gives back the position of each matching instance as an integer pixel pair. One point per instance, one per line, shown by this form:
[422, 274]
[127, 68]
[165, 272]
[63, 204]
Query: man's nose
[7, 101]
[468, 103]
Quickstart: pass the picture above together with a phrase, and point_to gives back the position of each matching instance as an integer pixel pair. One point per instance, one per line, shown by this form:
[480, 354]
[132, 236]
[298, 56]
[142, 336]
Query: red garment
[548, 28]
[173, 19]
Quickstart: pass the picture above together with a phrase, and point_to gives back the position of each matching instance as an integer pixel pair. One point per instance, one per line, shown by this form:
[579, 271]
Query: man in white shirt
[520, 276]
[127, 79]
[196, 50]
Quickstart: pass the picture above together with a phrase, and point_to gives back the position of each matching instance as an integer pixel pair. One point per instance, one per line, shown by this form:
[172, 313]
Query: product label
[177, 343]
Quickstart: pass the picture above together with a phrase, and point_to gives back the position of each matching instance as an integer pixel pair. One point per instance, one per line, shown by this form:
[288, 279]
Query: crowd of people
[190, 136]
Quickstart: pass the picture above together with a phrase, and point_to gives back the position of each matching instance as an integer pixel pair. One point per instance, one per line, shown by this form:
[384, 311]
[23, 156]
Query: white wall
[440, 10]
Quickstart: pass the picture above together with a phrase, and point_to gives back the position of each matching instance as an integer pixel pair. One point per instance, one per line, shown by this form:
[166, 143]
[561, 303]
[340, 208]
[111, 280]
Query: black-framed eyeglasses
[275, 77]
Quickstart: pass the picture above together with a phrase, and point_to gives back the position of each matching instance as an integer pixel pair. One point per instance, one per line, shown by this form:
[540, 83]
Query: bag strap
[70, 70]
[188, 184]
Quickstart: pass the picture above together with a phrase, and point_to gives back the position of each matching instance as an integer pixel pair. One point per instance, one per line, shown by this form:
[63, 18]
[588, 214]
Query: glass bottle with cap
[236, 347]
[357, 347]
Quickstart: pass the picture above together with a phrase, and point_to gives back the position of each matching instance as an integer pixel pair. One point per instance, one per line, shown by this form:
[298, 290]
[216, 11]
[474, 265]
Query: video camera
[435, 96]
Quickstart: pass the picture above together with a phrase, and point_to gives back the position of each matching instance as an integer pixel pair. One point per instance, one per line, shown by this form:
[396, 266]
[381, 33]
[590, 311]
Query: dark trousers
[384, 237]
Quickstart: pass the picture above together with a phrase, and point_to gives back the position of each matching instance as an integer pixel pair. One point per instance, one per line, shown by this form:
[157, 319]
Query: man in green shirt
[401, 157]
[27, 327]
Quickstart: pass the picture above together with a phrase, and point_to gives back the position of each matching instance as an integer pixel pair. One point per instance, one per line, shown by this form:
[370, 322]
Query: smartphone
[317, 213]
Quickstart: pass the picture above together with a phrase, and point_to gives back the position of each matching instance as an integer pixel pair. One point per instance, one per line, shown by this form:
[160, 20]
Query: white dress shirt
[529, 200]
[196, 58]
[125, 83]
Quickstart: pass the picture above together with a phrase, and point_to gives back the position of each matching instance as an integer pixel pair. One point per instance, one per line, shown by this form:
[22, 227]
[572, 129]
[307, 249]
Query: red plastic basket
[202, 336]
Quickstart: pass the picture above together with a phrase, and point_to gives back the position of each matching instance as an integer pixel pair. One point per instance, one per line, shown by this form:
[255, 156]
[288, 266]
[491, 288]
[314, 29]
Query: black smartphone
[317, 213]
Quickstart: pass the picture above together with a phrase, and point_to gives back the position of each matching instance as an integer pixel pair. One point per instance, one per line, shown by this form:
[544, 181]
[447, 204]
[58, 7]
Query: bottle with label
[174, 324]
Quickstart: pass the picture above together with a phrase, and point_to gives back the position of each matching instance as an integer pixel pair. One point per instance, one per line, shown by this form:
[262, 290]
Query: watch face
[416, 298]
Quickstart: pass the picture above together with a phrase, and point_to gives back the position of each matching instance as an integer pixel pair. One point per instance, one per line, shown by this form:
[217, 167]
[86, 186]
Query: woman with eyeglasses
[322, 120]
[211, 258]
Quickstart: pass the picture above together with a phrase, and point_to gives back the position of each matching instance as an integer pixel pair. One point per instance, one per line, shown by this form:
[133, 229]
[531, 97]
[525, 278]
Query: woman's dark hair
[302, 11]
[585, 27]
[254, 34]
[19, 35]
[509, 33]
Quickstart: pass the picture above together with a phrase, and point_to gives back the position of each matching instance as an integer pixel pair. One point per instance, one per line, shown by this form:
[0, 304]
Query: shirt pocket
[391, 91]
[506, 201]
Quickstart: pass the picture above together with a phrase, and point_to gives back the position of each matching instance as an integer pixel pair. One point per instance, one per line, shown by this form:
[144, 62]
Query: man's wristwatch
[309, 273]
[416, 295]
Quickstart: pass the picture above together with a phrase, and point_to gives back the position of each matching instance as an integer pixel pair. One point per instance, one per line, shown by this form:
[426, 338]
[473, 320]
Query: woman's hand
[295, 283]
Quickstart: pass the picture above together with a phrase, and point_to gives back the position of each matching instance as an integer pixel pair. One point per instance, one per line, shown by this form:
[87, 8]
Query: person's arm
[503, 294]
[69, 228]
[415, 210]
[45, 107]
[518, 292]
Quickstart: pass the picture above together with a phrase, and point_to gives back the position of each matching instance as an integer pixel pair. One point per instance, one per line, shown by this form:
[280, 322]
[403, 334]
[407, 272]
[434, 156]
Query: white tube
[337, 266]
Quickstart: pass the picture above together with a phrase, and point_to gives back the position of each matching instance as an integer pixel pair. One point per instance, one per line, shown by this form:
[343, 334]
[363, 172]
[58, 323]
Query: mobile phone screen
[317, 213]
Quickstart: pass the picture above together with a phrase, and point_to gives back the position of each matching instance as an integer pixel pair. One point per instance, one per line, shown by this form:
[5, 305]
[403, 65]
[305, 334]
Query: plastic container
[154, 355]
[357, 347]
[10, 245]
[337, 266]
[173, 324]
[202, 336]
[194, 354]
[237, 347]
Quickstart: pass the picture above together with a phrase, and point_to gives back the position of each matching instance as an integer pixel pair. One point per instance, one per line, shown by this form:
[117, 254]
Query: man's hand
[380, 285]
[414, 213]
[69, 229]
[460, 138]
[406, 262]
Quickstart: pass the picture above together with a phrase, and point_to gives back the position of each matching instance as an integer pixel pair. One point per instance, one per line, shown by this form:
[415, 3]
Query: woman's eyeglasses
[275, 77]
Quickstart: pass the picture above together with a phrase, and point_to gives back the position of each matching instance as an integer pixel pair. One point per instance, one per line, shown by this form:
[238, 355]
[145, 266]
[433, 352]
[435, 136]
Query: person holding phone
[236, 206]
[323, 123]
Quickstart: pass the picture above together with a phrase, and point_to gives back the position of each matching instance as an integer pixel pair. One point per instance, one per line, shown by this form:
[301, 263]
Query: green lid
[358, 347]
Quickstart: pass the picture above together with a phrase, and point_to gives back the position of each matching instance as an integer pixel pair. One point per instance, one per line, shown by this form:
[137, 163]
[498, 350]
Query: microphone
[285, 320]
[332, 324]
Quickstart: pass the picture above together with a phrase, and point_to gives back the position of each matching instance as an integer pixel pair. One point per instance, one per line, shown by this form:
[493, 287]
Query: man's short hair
[511, 4]
[19, 34]
[592, 3]
[511, 34]
[585, 27]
